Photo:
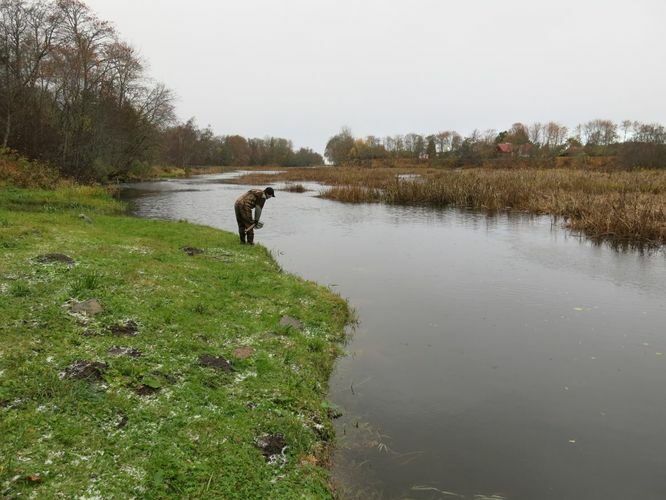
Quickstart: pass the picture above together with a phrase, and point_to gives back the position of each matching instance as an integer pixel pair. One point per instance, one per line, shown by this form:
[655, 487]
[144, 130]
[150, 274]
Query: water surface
[496, 357]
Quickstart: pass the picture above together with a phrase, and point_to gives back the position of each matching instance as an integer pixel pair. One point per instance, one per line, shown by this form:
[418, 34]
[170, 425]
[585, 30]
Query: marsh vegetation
[624, 207]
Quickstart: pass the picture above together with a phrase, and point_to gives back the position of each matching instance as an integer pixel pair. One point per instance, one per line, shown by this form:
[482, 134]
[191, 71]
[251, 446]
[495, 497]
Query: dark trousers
[244, 219]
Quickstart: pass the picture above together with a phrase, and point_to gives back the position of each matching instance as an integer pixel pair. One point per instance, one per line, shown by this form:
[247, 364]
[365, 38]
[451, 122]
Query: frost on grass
[245, 375]
[136, 249]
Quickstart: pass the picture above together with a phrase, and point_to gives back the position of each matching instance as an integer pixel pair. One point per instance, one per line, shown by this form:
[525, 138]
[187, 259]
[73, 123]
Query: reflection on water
[496, 357]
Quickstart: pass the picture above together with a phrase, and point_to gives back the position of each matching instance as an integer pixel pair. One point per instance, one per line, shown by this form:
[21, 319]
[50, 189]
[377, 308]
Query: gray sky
[301, 69]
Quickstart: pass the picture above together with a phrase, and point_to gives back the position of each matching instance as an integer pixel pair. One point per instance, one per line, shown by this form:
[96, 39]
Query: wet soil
[271, 444]
[146, 390]
[51, 258]
[216, 362]
[126, 329]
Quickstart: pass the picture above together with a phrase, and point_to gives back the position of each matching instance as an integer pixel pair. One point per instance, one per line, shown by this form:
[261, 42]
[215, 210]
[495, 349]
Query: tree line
[74, 94]
[633, 144]
[188, 145]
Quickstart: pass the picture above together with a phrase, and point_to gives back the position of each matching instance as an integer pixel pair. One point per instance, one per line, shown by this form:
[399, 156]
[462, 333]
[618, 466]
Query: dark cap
[269, 192]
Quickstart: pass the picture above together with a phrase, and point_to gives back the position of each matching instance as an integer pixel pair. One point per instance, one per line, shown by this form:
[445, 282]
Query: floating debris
[432, 488]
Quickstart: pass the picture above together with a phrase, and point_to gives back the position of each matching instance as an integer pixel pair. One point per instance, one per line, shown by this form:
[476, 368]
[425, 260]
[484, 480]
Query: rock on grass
[89, 307]
[290, 322]
[86, 370]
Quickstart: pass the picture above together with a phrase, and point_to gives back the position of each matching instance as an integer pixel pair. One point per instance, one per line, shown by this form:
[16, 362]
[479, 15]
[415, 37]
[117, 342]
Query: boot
[250, 237]
[241, 233]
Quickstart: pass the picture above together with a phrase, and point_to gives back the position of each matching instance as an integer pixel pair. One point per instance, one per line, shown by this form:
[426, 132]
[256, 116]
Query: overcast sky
[301, 69]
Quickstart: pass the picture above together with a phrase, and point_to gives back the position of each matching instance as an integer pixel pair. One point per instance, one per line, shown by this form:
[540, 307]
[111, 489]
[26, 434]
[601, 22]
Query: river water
[495, 356]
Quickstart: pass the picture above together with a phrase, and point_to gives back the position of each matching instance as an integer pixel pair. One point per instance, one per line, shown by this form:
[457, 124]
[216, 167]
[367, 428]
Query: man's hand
[258, 225]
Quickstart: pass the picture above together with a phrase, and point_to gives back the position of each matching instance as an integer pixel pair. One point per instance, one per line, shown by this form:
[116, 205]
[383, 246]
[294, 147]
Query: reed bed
[622, 207]
[294, 188]
[353, 194]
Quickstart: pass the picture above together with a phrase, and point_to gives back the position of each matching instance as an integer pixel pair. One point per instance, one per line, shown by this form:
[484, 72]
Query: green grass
[195, 437]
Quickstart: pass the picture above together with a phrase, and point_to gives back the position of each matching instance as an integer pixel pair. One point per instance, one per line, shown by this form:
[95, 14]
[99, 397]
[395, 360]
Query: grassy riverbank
[138, 399]
[622, 207]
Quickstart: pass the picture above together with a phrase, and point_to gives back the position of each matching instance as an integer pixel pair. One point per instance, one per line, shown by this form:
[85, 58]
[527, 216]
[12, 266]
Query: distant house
[506, 148]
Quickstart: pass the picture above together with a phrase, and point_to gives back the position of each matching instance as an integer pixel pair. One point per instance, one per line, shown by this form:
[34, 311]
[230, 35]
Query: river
[495, 356]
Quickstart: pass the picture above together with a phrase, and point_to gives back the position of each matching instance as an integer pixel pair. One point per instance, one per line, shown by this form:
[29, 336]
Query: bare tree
[600, 132]
[626, 126]
[26, 39]
[554, 134]
[535, 130]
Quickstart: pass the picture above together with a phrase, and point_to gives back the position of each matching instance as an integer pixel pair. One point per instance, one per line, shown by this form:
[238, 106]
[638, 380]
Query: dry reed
[623, 207]
[294, 188]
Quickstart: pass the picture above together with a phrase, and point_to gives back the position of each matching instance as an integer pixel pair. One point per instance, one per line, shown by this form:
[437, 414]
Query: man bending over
[253, 199]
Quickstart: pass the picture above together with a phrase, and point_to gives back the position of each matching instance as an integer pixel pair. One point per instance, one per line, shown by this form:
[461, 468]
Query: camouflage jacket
[250, 200]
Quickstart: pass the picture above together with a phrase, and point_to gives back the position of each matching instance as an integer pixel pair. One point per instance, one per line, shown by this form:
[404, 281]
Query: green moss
[194, 435]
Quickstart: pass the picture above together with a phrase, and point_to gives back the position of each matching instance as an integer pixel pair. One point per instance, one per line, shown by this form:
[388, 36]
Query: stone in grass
[216, 362]
[243, 352]
[125, 351]
[50, 258]
[85, 218]
[86, 370]
[128, 328]
[89, 307]
[191, 251]
[271, 445]
[289, 322]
